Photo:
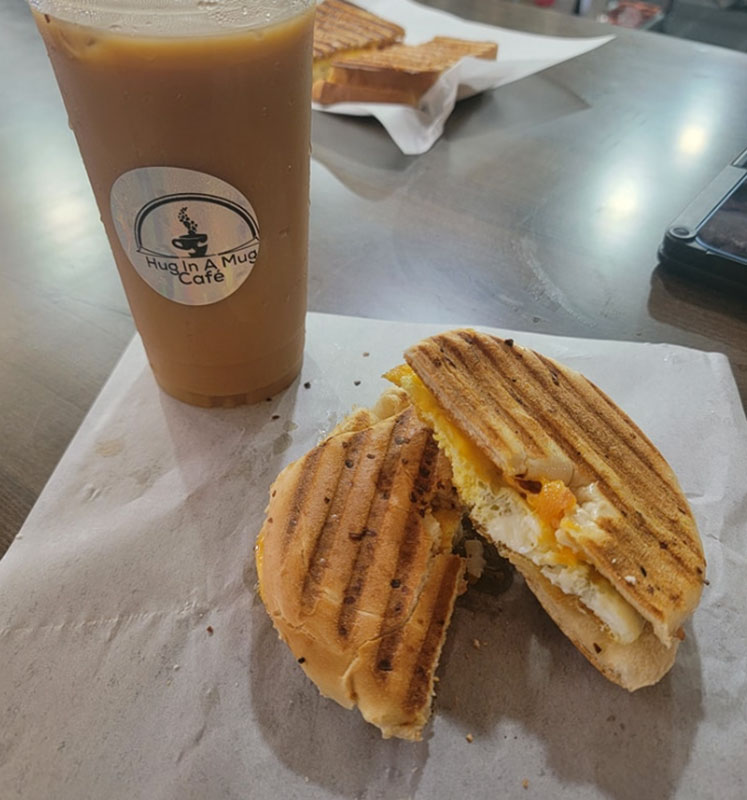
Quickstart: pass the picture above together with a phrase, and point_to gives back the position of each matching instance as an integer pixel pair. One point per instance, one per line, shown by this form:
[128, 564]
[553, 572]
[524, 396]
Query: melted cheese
[546, 526]
[450, 437]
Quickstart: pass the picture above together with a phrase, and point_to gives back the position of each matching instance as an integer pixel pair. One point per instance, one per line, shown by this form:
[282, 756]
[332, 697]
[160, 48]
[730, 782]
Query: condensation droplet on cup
[284, 233]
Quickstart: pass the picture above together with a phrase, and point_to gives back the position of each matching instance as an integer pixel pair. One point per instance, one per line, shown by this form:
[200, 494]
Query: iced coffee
[195, 136]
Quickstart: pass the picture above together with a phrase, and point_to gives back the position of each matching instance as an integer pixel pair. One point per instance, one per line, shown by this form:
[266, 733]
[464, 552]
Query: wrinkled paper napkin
[136, 660]
[415, 130]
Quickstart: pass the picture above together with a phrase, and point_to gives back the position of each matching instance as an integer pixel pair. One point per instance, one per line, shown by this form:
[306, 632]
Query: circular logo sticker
[192, 237]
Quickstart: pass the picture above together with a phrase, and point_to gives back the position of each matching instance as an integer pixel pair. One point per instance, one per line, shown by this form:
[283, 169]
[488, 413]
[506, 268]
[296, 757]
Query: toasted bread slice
[355, 565]
[342, 28]
[564, 481]
[398, 74]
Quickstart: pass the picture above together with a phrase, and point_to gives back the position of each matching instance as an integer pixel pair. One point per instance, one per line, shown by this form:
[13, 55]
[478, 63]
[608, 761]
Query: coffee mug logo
[191, 236]
[195, 243]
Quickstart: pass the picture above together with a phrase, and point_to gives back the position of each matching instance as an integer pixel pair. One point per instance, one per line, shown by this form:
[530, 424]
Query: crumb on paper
[168, 682]
[525, 783]
[275, 416]
[176, 667]
[476, 644]
[366, 354]
[307, 385]
[470, 738]
[210, 630]
[356, 383]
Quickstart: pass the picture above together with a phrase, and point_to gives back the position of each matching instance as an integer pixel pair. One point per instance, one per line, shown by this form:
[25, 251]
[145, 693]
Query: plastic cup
[193, 122]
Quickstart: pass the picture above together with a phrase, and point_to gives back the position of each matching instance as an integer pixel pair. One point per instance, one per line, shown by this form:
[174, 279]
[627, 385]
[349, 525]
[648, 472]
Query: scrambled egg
[543, 521]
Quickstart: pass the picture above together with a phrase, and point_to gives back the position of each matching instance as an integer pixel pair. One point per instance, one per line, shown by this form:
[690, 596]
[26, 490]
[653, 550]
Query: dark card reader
[708, 241]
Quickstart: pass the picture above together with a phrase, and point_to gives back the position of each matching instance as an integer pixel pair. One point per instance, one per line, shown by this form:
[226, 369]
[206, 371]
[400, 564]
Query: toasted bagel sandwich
[356, 568]
[401, 73]
[572, 493]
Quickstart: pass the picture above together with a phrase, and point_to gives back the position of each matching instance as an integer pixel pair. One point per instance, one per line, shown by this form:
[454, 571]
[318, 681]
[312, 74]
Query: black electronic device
[708, 240]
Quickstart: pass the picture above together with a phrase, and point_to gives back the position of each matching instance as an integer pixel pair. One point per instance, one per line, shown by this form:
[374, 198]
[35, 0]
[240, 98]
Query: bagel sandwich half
[356, 568]
[570, 490]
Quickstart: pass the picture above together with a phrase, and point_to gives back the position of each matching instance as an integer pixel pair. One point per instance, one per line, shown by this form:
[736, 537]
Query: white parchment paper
[136, 660]
[415, 130]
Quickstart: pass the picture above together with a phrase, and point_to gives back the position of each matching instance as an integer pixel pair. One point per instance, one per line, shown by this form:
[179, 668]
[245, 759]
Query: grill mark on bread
[619, 436]
[461, 385]
[671, 491]
[365, 552]
[632, 516]
[390, 642]
[324, 542]
[519, 429]
[303, 485]
[412, 538]
[624, 430]
[419, 688]
[423, 483]
[339, 25]
[425, 60]
[463, 357]
[437, 612]
[577, 456]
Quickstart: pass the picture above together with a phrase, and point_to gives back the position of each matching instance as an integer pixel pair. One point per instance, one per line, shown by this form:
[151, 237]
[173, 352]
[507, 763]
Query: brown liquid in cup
[235, 106]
